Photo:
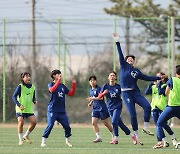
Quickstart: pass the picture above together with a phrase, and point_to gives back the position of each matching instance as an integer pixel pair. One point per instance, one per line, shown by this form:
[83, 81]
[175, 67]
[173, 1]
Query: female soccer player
[112, 91]
[173, 108]
[24, 98]
[159, 102]
[99, 110]
[130, 91]
[56, 106]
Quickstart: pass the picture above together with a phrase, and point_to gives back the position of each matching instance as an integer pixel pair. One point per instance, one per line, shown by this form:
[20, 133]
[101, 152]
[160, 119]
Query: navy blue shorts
[24, 115]
[100, 114]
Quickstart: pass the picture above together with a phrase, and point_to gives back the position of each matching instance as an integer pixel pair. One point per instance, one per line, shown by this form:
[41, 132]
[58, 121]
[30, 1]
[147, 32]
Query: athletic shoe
[27, 139]
[158, 145]
[114, 141]
[141, 143]
[138, 141]
[97, 140]
[20, 142]
[177, 145]
[174, 141]
[134, 139]
[147, 132]
[166, 144]
[69, 144]
[43, 145]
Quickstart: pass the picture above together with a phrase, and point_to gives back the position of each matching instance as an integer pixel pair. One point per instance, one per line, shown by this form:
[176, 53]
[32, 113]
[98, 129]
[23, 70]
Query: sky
[59, 8]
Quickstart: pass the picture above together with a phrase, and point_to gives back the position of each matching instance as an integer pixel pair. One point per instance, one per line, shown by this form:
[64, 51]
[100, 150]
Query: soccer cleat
[138, 141]
[97, 140]
[114, 141]
[20, 142]
[166, 144]
[147, 132]
[141, 143]
[134, 139]
[158, 145]
[69, 144]
[177, 145]
[27, 139]
[174, 141]
[43, 144]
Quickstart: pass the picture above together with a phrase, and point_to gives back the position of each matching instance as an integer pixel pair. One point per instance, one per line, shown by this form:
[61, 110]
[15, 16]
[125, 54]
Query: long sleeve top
[130, 75]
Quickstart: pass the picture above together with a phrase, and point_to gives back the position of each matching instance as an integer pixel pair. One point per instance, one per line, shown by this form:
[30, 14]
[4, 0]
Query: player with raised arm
[56, 107]
[130, 91]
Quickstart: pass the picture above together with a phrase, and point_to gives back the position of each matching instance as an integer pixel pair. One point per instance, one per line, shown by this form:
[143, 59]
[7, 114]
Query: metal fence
[78, 47]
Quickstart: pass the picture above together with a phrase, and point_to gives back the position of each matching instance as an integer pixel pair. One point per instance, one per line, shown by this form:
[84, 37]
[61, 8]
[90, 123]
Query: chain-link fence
[79, 47]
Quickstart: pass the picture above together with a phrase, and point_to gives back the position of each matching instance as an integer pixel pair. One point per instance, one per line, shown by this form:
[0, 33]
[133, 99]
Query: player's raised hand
[59, 77]
[116, 37]
[73, 80]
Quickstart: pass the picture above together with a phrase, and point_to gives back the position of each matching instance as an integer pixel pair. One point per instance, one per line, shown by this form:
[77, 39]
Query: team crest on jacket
[134, 74]
[60, 94]
[113, 95]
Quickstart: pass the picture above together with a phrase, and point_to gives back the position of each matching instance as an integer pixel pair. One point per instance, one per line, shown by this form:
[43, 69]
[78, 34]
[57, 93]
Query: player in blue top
[173, 108]
[158, 103]
[99, 110]
[130, 91]
[112, 91]
[56, 106]
[24, 98]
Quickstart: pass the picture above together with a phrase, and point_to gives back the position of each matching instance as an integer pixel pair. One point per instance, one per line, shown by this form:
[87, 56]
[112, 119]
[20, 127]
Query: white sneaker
[69, 144]
[97, 140]
[20, 142]
[174, 141]
[43, 145]
[177, 145]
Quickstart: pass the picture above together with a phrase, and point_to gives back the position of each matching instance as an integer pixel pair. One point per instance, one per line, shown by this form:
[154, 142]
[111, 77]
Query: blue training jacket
[130, 75]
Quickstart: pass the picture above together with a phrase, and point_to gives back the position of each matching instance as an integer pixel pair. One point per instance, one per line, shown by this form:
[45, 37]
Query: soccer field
[82, 142]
